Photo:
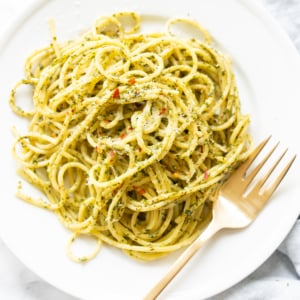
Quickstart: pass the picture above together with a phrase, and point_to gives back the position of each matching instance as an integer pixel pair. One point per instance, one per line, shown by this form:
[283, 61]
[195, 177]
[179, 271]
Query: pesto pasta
[131, 134]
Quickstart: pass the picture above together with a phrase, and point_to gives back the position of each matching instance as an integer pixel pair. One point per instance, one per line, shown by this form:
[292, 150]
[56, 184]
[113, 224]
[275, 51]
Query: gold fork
[234, 208]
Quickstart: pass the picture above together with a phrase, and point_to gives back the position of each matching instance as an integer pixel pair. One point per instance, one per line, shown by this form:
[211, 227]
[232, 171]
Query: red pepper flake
[116, 93]
[115, 191]
[141, 191]
[106, 121]
[205, 175]
[163, 111]
[132, 81]
[112, 153]
[123, 135]
[130, 128]
[201, 149]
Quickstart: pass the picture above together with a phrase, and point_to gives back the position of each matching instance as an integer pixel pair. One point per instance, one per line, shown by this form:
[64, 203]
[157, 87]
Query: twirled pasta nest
[131, 134]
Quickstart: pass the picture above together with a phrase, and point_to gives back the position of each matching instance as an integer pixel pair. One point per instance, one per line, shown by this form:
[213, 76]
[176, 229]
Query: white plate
[268, 71]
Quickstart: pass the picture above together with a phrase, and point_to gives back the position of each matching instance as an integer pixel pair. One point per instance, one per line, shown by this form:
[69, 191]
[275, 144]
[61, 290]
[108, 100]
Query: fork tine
[271, 189]
[244, 167]
[270, 171]
[254, 172]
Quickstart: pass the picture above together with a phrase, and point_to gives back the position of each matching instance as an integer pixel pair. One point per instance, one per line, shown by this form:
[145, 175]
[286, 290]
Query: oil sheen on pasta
[131, 134]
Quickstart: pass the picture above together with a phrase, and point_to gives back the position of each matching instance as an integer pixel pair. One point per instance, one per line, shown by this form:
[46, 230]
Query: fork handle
[182, 261]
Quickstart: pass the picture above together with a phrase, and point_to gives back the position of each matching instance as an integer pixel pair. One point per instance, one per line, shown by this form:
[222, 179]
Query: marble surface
[19, 283]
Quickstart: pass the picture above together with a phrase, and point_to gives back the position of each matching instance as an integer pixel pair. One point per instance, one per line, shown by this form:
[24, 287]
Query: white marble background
[19, 283]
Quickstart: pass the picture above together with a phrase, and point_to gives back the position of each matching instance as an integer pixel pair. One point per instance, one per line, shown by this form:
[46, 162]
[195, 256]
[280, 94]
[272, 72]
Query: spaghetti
[131, 134]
